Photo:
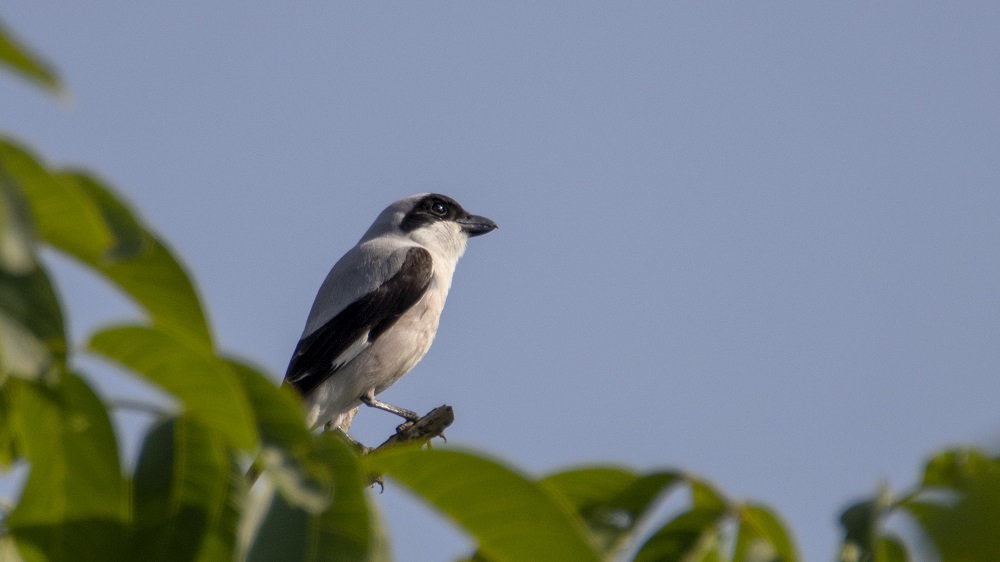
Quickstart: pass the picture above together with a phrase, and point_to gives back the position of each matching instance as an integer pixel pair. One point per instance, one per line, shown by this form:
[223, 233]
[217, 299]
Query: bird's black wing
[319, 355]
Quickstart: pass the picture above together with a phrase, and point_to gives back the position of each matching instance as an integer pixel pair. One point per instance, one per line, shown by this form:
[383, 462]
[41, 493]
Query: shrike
[376, 313]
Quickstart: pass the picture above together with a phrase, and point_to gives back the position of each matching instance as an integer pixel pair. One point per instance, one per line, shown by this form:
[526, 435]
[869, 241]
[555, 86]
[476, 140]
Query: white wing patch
[351, 352]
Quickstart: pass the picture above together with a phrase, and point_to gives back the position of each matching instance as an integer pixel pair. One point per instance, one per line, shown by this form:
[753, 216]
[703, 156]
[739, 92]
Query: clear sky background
[759, 241]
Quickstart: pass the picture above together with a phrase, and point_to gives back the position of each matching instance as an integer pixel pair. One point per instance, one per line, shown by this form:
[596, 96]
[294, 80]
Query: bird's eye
[439, 208]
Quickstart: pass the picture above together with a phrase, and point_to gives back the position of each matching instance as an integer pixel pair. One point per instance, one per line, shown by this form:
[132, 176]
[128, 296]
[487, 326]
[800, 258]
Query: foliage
[187, 497]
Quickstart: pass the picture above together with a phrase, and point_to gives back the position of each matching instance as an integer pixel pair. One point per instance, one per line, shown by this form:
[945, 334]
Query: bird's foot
[408, 415]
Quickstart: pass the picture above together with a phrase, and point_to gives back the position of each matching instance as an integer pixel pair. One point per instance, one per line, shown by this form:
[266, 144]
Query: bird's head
[436, 222]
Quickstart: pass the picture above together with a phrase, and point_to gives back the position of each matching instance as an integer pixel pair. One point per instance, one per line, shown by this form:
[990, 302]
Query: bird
[377, 312]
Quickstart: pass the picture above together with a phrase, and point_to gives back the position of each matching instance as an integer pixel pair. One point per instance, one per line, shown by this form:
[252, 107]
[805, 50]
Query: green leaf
[204, 383]
[9, 450]
[511, 517]
[21, 353]
[83, 217]
[955, 468]
[960, 506]
[277, 410]
[612, 501]
[17, 57]
[128, 238]
[73, 504]
[185, 493]
[688, 535]
[762, 536]
[64, 215]
[860, 522]
[140, 264]
[32, 332]
[17, 254]
[273, 529]
[8, 550]
[890, 549]
[705, 496]
[286, 443]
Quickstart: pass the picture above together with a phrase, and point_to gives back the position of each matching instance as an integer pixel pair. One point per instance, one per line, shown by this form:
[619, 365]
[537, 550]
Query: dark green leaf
[73, 504]
[276, 530]
[19, 58]
[184, 502]
[17, 253]
[204, 383]
[960, 511]
[762, 536]
[9, 450]
[511, 517]
[683, 537]
[861, 523]
[612, 501]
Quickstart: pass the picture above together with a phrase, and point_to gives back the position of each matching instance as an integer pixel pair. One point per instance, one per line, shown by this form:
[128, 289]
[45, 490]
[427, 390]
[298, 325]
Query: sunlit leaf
[8, 550]
[277, 410]
[273, 529]
[83, 217]
[955, 468]
[184, 507]
[73, 504]
[19, 58]
[705, 496]
[141, 265]
[64, 215]
[762, 536]
[682, 537]
[128, 238]
[204, 383]
[612, 501]
[511, 517]
[711, 554]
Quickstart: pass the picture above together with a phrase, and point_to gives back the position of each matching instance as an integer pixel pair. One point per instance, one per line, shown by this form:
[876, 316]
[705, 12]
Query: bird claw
[381, 483]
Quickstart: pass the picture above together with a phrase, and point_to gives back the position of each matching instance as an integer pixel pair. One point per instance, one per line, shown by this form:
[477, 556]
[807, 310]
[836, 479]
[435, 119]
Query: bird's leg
[369, 400]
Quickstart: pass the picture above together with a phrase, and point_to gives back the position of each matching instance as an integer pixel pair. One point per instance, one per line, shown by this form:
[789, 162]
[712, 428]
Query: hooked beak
[475, 225]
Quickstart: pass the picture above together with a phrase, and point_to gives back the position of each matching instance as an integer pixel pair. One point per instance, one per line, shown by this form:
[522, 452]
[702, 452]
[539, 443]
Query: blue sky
[757, 241]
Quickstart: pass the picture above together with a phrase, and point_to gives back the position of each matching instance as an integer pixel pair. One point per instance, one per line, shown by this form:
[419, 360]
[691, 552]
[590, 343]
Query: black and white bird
[377, 312]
